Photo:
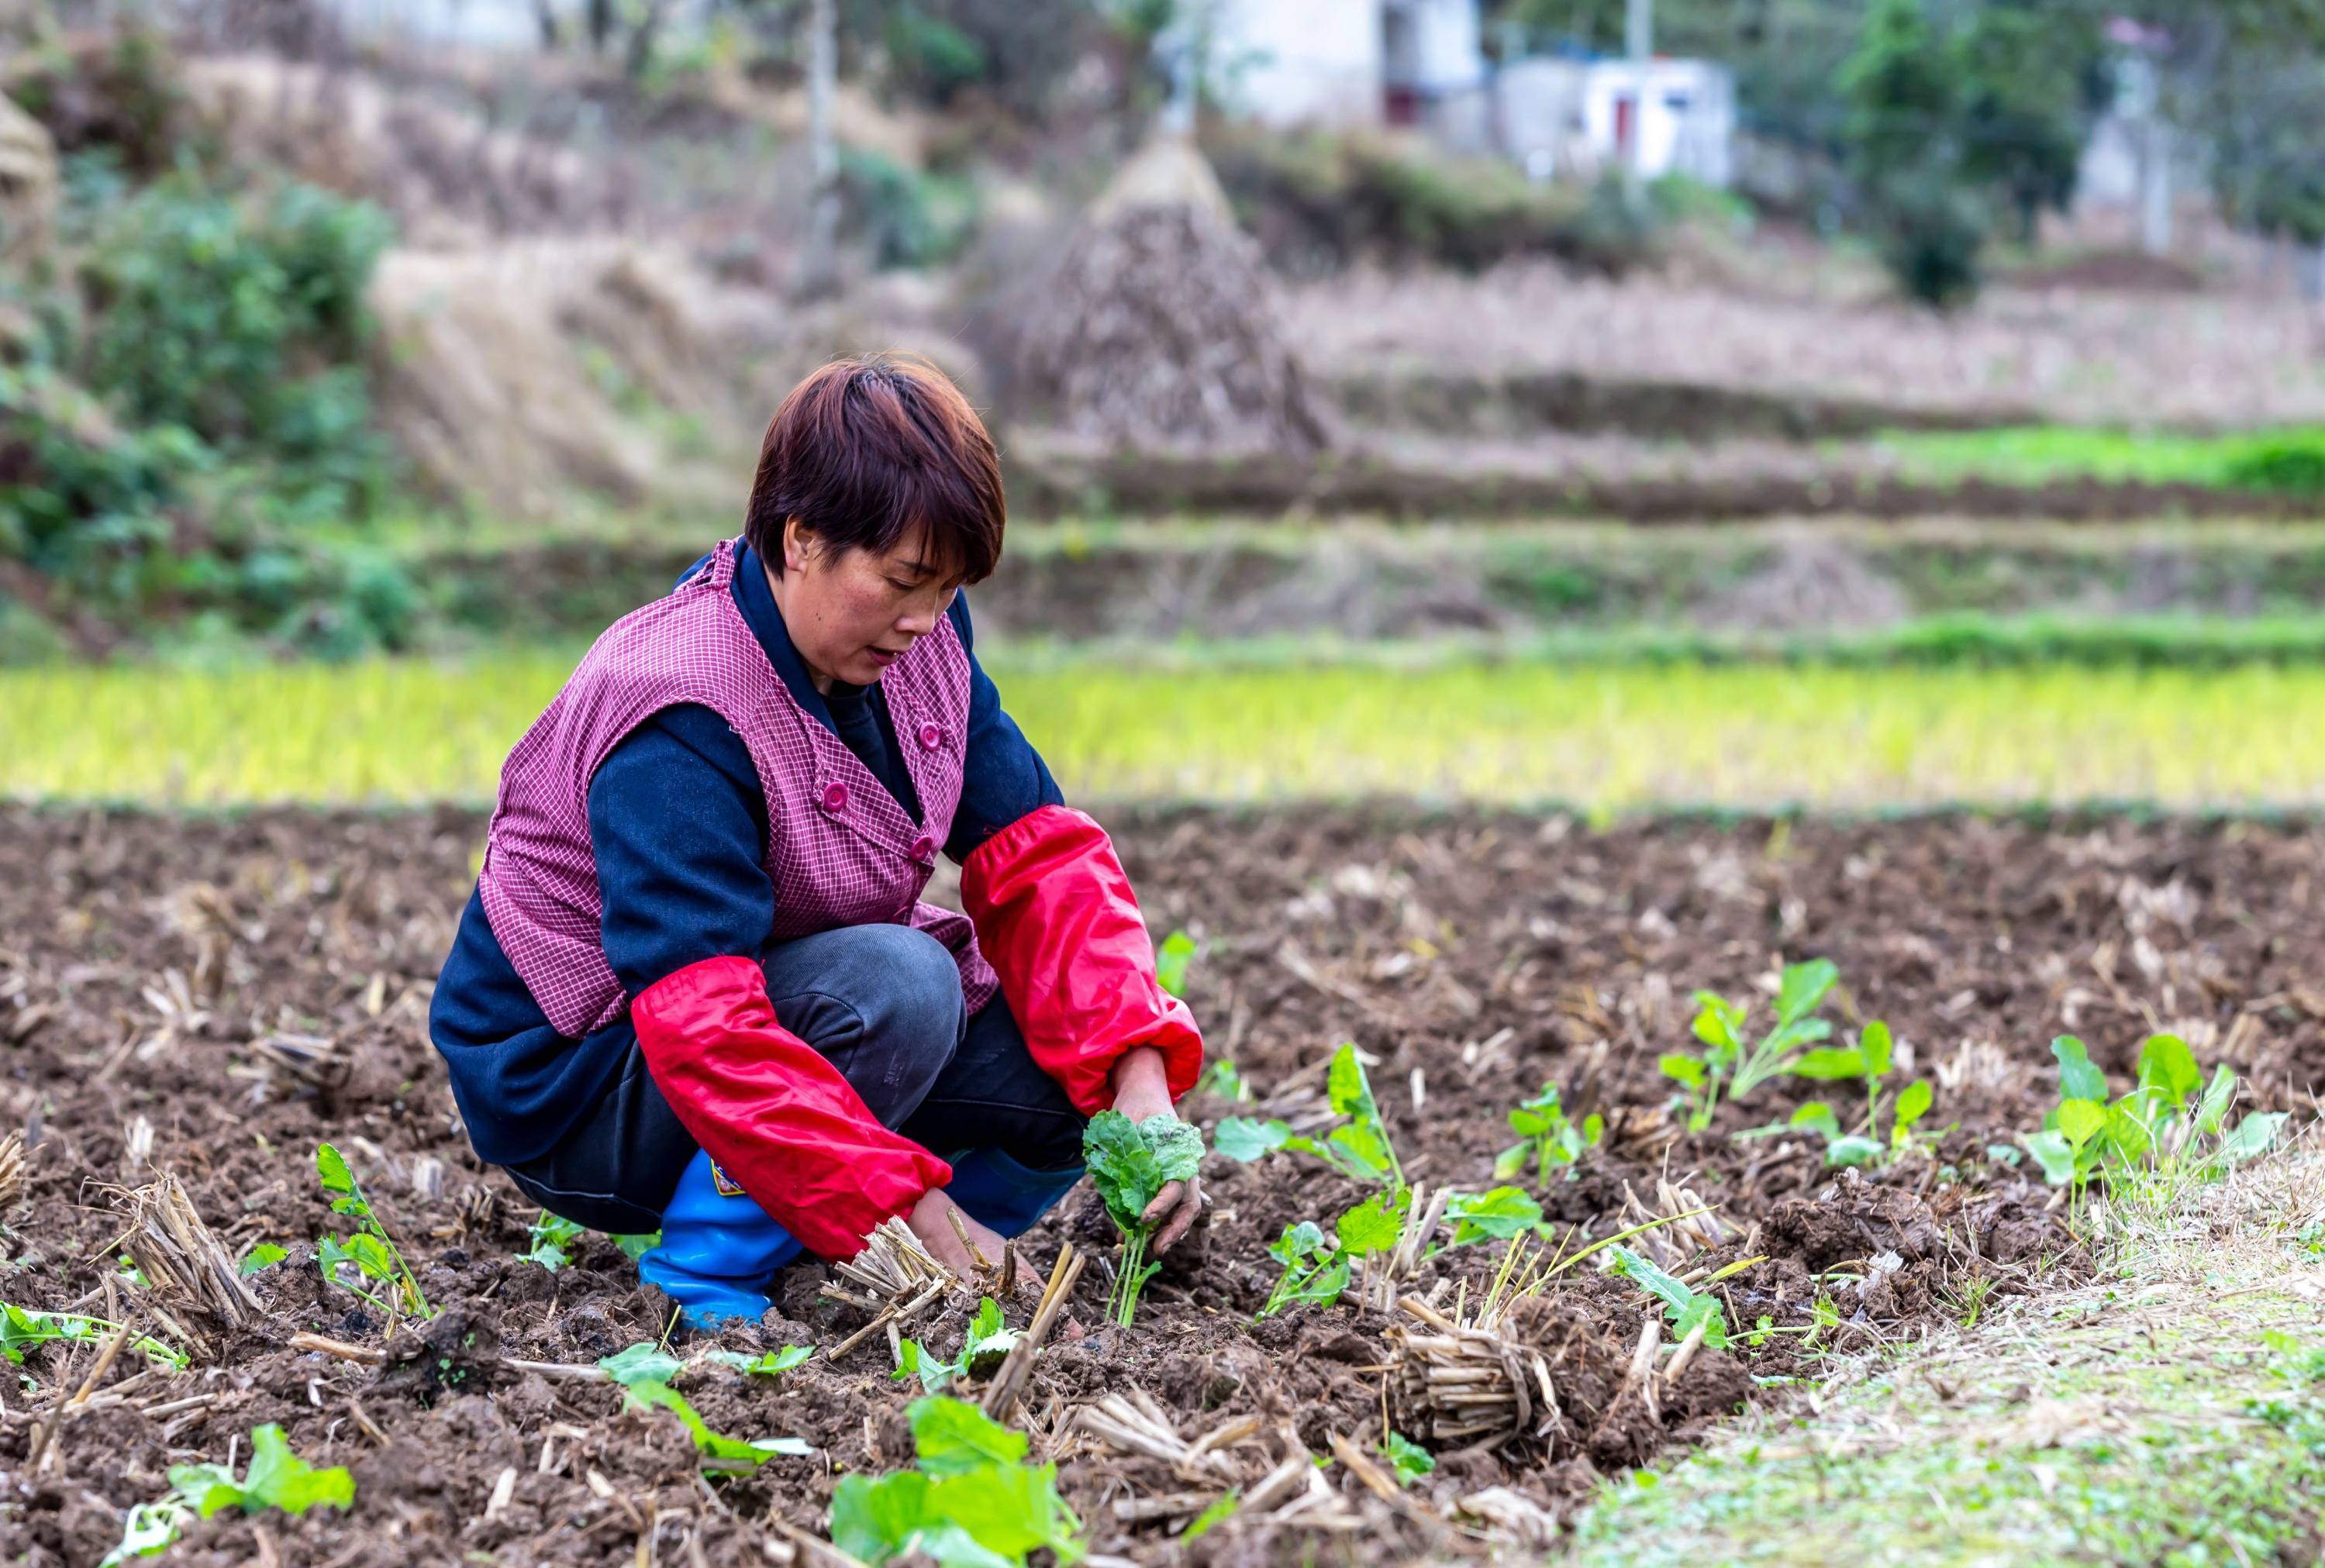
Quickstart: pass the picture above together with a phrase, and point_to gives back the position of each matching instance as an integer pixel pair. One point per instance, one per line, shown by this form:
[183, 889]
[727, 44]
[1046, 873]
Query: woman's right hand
[930, 1222]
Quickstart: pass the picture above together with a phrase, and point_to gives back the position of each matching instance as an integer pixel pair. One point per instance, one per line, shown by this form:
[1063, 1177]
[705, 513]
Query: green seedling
[767, 1364]
[277, 1479]
[982, 1351]
[1684, 1306]
[644, 1372]
[636, 1247]
[1862, 1149]
[1170, 961]
[1357, 1149]
[550, 1241]
[971, 1503]
[1411, 1461]
[25, 1328]
[1546, 1133]
[2155, 1141]
[368, 1251]
[1315, 1270]
[1131, 1163]
[149, 1530]
[1225, 1080]
[1728, 1064]
[1495, 1215]
[1222, 1507]
[266, 1255]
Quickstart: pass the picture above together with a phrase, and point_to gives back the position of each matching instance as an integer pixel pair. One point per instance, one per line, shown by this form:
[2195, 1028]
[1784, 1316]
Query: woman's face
[852, 613]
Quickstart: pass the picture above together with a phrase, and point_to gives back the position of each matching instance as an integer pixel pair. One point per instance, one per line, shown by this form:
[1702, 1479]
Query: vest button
[932, 737]
[924, 847]
[835, 798]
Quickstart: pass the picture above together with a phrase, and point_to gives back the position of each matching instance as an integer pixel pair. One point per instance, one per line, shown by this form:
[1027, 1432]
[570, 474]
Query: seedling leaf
[2166, 1062]
[1495, 1215]
[1241, 1138]
[277, 1479]
[1170, 960]
[1372, 1226]
[2077, 1078]
[952, 1438]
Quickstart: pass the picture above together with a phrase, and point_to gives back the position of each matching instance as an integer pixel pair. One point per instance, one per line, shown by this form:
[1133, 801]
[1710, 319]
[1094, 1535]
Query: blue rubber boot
[1004, 1196]
[718, 1250]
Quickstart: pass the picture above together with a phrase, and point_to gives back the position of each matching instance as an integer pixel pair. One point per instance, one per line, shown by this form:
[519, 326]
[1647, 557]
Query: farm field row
[218, 996]
[1605, 739]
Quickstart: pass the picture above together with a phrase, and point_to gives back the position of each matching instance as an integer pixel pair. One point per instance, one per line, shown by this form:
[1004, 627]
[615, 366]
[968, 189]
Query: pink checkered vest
[841, 850]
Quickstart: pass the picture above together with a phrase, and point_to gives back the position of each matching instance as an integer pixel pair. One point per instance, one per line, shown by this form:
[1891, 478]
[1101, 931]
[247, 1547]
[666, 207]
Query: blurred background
[1627, 403]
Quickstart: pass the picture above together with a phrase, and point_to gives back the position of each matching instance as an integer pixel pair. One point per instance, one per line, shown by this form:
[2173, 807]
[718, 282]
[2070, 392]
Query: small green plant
[972, 1500]
[1685, 1306]
[767, 1364]
[1411, 1461]
[982, 1351]
[367, 1251]
[276, 1478]
[1868, 1061]
[1170, 961]
[1221, 1508]
[1728, 1064]
[266, 1255]
[2155, 1139]
[1544, 1132]
[1130, 1164]
[24, 1328]
[1495, 1215]
[1357, 1149]
[1315, 1270]
[1224, 1079]
[644, 1372]
[549, 1240]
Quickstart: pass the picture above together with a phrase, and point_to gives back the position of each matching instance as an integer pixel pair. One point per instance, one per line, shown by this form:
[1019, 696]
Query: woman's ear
[796, 543]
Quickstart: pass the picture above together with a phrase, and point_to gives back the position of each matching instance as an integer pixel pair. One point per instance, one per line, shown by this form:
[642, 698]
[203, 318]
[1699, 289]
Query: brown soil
[143, 958]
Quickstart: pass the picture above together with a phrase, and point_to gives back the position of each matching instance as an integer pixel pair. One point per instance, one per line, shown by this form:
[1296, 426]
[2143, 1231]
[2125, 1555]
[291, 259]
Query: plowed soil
[213, 997]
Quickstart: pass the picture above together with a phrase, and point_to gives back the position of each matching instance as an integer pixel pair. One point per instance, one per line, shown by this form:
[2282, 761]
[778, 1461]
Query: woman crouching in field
[695, 990]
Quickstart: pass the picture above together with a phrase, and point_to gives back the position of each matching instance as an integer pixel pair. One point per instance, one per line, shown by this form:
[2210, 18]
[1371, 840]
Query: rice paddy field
[1607, 738]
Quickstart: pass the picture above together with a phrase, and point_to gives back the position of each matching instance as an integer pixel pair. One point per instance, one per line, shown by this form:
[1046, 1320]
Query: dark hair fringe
[869, 448]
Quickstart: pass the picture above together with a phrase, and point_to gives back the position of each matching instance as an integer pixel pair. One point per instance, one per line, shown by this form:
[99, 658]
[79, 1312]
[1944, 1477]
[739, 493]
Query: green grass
[2291, 460]
[2172, 1412]
[1608, 739]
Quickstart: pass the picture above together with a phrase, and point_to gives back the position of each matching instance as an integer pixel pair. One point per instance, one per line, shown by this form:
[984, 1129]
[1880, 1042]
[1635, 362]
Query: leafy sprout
[367, 1251]
[1359, 1147]
[1729, 1062]
[644, 1372]
[1131, 1162]
[972, 1502]
[1315, 1270]
[2171, 1129]
[982, 1350]
[1170, 961]
[1495, 1215]
[24, 1328]
[1685, 1306]
[550, 1240]
[277, 1479]
[1411, 1461]
[1545, 1132]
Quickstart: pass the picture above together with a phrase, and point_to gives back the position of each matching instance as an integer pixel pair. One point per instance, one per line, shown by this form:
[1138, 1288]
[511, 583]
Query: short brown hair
[868, 447]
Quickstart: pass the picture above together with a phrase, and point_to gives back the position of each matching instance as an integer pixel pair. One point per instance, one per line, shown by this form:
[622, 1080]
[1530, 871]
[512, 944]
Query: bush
[910, 219]
[1317, 200]
[195, 415]
[2289, 465]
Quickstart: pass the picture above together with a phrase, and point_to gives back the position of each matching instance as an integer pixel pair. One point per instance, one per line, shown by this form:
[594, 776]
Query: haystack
[1160, 328]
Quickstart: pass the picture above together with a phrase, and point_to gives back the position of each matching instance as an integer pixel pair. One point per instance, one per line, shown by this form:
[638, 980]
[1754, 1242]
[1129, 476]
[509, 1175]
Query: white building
[1350, 62]
[1577, 118]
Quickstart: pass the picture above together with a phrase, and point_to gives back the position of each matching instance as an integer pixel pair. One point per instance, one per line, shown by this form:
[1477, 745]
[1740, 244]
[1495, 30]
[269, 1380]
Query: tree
[1906, 111]
[2033, 80]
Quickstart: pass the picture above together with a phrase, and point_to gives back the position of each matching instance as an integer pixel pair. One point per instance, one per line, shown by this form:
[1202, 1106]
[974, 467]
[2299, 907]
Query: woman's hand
[932, 1223]
[1142, 1090]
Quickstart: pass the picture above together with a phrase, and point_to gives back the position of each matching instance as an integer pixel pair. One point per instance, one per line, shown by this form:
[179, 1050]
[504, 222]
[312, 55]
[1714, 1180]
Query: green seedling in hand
[1131, 1163]
[367, 1251]
[1357, 1149]
[644, 1372]
[1728, 1064]
[972, 1502]
[1544, 1132]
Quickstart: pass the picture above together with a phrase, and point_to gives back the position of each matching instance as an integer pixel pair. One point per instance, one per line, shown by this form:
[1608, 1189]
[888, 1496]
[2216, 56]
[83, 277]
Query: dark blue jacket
[679, 826]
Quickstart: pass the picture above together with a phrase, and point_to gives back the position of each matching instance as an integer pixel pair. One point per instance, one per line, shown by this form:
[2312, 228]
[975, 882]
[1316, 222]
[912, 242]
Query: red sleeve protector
[779, 1119]
[1056, 918]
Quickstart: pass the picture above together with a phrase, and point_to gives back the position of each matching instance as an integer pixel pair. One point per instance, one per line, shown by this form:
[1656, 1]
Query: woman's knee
[883, 1003]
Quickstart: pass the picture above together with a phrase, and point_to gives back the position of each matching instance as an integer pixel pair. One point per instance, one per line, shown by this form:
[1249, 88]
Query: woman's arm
[1056, 917]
